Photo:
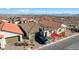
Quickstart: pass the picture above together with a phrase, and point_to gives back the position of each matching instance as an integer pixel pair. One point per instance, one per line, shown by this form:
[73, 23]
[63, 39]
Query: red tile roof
[11, 28]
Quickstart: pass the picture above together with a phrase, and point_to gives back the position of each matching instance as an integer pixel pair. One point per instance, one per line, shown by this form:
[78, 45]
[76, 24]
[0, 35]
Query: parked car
[40, 38]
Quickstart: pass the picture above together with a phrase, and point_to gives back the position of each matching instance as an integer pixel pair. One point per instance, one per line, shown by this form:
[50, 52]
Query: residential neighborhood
[30, 32]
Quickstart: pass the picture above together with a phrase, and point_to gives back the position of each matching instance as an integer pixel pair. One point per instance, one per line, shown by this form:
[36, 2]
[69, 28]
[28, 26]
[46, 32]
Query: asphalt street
[69, 43]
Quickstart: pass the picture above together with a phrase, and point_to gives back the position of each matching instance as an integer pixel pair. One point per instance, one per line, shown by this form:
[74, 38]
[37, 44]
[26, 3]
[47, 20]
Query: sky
[39, 11]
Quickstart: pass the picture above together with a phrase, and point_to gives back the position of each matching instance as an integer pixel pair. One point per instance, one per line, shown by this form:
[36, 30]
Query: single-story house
[51, 26]
[10, 33]
[6, 21]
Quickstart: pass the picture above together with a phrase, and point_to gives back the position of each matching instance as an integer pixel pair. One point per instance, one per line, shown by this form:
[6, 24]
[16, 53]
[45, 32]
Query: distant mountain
[41, 14]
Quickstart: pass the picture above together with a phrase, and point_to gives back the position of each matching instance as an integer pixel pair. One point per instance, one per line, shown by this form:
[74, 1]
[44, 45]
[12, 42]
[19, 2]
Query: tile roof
[30, 27]
[50, 24]
[10, 28]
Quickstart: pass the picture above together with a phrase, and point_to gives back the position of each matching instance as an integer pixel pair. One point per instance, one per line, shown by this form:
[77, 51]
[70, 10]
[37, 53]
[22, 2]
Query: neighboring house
[11, 33]
[6, 21]
[29, 27]
[51, 26]
[33, 20]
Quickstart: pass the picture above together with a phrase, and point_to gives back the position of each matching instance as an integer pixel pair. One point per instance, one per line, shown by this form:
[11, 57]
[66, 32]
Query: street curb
[56, 42]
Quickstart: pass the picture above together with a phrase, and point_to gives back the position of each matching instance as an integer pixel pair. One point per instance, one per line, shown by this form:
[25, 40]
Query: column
[3, 43]
[21, 38]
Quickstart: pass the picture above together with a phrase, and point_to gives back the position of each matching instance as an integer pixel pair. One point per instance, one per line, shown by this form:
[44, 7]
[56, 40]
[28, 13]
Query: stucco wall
[12, 40]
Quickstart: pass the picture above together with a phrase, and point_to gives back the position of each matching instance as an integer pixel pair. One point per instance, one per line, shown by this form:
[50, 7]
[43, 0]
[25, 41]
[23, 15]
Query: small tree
[11, 19]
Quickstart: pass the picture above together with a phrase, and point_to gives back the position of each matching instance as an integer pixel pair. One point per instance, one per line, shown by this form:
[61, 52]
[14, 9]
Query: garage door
[11, 40]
